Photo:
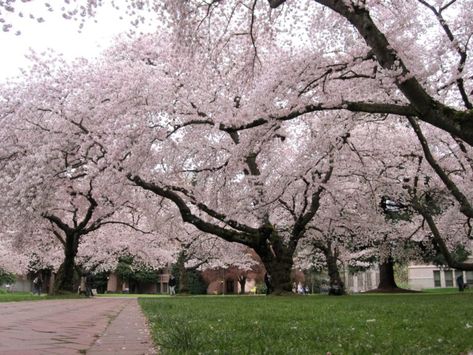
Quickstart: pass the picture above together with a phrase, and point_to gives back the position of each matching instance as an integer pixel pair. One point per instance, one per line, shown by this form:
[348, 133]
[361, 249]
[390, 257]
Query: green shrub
[6, 277]
[197, 285]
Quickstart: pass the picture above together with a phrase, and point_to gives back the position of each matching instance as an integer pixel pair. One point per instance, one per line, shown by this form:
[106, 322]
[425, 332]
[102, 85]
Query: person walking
[172, 285]
[88, 284]
[267, 282]
[37, 285]
[460, 283]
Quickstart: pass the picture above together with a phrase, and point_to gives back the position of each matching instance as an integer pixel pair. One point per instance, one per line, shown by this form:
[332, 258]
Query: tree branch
[428, 109]
[465, 206]
[187, 216]
[442, 246]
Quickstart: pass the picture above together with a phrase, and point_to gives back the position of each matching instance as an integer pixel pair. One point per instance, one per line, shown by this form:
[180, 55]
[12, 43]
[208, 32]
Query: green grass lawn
[28, 296]
[359, 324]
[132, 295]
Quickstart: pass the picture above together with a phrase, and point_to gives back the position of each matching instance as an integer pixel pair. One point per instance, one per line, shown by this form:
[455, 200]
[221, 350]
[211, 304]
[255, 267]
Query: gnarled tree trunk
[387, 282]
[64, 280]
[278, 264]
[242, 282]
[181, 269]
[386, 275]
[337, 287]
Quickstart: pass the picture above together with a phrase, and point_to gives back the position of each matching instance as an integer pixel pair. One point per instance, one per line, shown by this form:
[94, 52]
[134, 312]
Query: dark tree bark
[181, 269]
[64, 280]
[70, 236]
[242, 282]
[279, 267]
[386, 275]
[387, 282]
[337, 287]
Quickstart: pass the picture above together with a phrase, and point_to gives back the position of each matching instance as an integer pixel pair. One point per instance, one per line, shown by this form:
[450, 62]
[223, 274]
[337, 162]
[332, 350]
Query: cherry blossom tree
[11, 259]
[416, 52]
[445, 203]
[418, 187]
[54, 178]
[430, 82]
[232, 92]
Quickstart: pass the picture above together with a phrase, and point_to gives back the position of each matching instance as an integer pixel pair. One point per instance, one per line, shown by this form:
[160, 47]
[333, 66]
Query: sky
[56, 33]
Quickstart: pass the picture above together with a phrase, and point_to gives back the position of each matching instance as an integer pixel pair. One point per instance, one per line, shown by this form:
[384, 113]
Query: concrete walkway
[81, 326]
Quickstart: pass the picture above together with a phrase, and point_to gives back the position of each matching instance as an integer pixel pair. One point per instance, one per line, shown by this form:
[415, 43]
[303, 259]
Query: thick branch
[89, 213]
[353, 106]
[429, 110]
[212, 213]
[189, 217]
[58, 222]
[129, 225]
[276, 3]
[443, 247]
[303, 220]
[59, 237]
[461, 52]
[465, 206]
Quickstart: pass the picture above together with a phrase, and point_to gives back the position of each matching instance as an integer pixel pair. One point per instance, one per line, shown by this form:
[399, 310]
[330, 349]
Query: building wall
[112, 283]
[21, 284]
[421, 276]
[24, 283]
[432, 276]
[361, 281]
[115, 285]
[225, 281]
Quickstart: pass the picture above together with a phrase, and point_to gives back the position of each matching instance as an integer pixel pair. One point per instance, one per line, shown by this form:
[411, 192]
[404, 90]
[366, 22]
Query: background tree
[56, 174]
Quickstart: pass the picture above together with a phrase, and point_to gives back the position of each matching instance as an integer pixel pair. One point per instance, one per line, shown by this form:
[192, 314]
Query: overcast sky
[56, 33]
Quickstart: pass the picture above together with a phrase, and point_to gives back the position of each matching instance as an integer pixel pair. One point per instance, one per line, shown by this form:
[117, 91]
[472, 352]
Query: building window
[469, 277]
[350, 280]
[368, 280]
[448, 278]
[437, 278]
[359, 281]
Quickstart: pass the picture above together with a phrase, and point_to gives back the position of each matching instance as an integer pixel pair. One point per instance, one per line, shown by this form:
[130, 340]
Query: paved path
[82, 326]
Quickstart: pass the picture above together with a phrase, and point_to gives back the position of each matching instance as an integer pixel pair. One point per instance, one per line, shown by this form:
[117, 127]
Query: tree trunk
[386, 275]
[64, 280]
[337, 287]
[242, 281]
[181, 268]
[279, 267]
[386, 279]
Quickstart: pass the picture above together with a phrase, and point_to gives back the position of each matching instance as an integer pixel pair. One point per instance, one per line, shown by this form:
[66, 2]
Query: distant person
[81, 289]
[172, 285]
[460, 283]
[89, 280]
[37, 285]
[268, 283]
[300, 289]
